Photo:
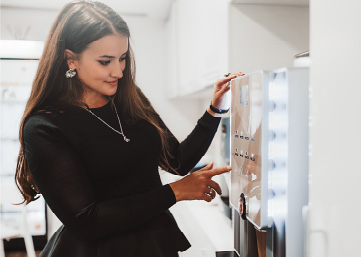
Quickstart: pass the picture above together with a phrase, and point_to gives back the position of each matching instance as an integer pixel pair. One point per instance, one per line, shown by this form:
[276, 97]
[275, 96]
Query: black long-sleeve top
[106, 192]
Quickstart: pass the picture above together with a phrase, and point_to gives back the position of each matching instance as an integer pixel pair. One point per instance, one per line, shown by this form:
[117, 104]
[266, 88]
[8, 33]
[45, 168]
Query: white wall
[25, 24]
[148, 36]
[335, 139]
[266, 37]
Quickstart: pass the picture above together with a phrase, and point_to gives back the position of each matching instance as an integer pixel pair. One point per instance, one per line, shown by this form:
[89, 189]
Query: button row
[245, 156]
[242, 137]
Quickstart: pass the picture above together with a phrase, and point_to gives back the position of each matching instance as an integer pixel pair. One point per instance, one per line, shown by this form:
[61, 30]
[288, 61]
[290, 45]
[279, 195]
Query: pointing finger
[208, 167]
[219, 171]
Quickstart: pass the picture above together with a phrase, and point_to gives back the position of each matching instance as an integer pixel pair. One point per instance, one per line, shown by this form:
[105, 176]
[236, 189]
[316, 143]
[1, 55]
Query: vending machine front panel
[269, 159]
[249, 152]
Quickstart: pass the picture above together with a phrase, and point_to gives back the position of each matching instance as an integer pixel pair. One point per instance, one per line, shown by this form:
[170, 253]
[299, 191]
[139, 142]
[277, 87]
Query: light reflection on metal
[271, 110]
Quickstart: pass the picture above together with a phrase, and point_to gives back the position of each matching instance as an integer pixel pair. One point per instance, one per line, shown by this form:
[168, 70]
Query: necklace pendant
[127, 140]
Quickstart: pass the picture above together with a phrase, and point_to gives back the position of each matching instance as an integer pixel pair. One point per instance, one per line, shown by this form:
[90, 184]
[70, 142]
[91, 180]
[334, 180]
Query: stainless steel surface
[271, 110]
[249, 140]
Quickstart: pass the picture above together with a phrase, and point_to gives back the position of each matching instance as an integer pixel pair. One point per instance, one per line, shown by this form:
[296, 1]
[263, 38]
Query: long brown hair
[77, 25]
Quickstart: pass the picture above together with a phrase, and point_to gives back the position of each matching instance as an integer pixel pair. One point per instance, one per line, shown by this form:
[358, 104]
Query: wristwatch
[216, 110]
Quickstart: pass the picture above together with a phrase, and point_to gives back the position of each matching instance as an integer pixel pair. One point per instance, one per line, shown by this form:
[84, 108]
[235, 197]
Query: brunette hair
[77, 25]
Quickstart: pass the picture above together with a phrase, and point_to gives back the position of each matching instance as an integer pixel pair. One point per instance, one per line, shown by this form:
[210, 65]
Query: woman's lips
[112, 83]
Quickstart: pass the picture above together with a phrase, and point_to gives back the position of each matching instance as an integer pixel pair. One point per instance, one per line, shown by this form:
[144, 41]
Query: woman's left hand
[222, 86]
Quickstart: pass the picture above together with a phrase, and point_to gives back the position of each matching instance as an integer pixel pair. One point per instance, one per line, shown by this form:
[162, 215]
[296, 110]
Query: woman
[91, 144]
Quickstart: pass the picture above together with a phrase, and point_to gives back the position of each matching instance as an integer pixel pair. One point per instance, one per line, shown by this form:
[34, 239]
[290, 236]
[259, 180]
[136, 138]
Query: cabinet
[198, 31]
[171, 53]
[208, 38]
[214, 41]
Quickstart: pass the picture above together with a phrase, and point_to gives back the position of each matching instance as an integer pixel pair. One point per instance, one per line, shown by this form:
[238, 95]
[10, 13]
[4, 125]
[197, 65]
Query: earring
[70, 73]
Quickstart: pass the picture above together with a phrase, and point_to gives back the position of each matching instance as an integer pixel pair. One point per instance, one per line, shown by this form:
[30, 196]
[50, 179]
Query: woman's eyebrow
[110, 57]
[106, 56]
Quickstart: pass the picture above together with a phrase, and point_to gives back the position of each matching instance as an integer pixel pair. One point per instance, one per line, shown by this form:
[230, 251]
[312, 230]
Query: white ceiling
[158, 9]
[274, 2]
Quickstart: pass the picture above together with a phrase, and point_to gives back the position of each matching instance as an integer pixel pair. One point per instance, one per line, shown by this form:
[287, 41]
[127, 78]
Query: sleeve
[185, 155]
[63, 182]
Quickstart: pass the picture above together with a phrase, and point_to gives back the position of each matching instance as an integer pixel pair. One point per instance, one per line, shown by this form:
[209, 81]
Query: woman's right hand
[199, 185]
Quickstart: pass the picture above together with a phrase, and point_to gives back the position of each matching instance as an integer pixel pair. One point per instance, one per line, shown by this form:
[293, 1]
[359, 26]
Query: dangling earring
[70, 73]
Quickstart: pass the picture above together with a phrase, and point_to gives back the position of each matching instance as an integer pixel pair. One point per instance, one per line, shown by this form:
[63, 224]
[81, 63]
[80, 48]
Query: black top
[106, 192]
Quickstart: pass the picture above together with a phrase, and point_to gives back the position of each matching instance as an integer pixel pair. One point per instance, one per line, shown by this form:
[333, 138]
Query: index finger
[219, 171]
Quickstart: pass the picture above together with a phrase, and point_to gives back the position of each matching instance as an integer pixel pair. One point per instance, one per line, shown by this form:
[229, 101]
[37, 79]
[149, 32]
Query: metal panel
[269, 122]
[289, 149]
[249, 152]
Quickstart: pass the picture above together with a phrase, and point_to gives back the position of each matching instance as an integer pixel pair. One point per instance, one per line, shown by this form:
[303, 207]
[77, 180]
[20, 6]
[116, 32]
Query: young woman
[91, 144]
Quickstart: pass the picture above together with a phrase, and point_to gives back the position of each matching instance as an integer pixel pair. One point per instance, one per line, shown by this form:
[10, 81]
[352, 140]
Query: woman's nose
[117, 71]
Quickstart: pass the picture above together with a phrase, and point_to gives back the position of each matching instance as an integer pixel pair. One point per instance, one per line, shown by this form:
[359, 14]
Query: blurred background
[181, 48]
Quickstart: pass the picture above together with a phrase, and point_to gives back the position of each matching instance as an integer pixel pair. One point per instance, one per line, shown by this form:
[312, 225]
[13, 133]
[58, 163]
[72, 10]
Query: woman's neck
[97, 102]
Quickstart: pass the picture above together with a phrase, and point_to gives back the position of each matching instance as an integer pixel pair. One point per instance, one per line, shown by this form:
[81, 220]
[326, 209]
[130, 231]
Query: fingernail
[229, 167]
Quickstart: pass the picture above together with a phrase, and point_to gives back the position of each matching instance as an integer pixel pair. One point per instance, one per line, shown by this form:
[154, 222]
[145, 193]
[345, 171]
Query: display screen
[244, 95]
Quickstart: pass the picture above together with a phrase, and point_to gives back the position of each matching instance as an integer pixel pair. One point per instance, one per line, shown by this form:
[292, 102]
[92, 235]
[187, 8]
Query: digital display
[244, 95]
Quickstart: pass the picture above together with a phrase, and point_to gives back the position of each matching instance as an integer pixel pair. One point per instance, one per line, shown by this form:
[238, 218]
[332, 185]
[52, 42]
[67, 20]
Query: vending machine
[269, 159]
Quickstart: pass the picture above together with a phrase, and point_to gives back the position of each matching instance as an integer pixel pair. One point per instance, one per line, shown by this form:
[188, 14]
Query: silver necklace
[120, 124]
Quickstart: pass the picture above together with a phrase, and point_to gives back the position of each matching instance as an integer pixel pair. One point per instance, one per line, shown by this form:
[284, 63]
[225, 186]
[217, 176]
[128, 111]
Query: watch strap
[216, 110]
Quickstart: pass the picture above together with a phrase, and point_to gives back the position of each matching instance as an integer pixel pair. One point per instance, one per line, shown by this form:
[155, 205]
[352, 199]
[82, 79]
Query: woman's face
[100, 66]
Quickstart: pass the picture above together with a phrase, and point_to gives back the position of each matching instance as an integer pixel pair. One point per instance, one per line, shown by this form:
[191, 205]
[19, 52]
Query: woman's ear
[70, 58]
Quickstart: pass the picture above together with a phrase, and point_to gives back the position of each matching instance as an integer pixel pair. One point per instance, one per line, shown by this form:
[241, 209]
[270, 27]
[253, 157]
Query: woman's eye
[104, 62]
[122, 59]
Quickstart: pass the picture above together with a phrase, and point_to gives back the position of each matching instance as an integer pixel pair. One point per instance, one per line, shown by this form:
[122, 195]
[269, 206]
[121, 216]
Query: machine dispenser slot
[243, 207]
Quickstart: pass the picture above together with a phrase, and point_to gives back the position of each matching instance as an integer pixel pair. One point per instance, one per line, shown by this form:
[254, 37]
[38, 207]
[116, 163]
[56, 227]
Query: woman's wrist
[213, 113]
[175, 190]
